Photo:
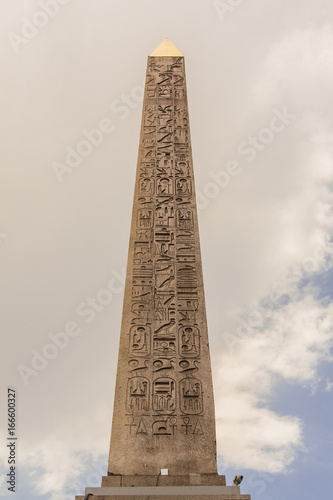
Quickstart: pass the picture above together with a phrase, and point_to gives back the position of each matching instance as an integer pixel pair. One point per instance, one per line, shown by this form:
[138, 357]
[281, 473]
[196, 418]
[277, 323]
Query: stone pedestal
[157, 487]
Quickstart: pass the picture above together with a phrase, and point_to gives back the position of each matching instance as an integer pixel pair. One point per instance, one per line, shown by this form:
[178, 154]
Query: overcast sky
[260, 79]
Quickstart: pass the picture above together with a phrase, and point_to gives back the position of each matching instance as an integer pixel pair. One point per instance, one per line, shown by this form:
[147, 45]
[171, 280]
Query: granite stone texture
[164, 408]
[163, 415]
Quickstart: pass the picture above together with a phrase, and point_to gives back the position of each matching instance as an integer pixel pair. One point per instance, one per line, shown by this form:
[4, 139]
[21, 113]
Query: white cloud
[56, 465]
[285, 331]
[295, 339]
[329, 386]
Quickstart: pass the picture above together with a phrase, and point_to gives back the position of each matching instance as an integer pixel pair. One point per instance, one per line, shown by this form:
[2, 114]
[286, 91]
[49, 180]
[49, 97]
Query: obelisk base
[198, 486]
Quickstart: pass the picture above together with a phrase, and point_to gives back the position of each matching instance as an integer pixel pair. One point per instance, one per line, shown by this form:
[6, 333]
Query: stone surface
[163, 414]
[169, 492]
[183, 480]
[164, 408]
[191, 496]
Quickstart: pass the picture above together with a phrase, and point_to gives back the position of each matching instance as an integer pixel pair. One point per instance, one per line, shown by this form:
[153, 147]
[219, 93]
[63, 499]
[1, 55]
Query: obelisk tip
[166, 49]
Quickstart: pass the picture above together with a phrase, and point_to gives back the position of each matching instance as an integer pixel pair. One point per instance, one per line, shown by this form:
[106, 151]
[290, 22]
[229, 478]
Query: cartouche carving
[140, 340]
[189, 341]
[138, 394]
[190, 391]
[164, 395]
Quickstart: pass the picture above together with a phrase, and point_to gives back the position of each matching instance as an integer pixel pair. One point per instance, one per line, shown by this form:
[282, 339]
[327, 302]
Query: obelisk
[163, 428]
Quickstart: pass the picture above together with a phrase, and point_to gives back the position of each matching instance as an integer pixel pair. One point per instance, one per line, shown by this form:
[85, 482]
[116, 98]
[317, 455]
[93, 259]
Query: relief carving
[150, 114]
[185, 236]
[142, 287]
[149, 152]
[145, 218]
[141, 309]
[192, 426]
[187, 317]
[164, 167]
[164, 148]
[165, 307]
[184, 219]
[165, 91]
[144, 235]
[143, 272]
[146, 201]
[164, 395]
[182, 168]
[162, 364]
[164, 235]
[180, 93]
[189, 341]
[137, 394]
[147, 169]
[164, 342]
[182, 202]
[164, 186]
[186, 425]
[165, 111]
[181, 135]
[148, 142]
[165, 137]
[181, 147]
[164, 78]
[130, 423]
[136, 366]
[164, 251]
[141, 428]
[190, 392]
[183, 187]
[142, 252]
[165, 216]
[151, 91]
[146, 185]
[197, 429]
[179, 80]
[149, 130]
[177, 65]
[188, 365]
[186, 252]
[187, 281]
[140, 340]
[164, 277]
[164, 427]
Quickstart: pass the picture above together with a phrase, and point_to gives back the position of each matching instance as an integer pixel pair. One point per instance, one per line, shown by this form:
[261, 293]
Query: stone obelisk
[163, 429]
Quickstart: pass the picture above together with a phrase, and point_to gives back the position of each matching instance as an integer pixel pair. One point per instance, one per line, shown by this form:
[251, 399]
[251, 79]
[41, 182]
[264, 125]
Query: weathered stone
[164, 408]
[163, 415]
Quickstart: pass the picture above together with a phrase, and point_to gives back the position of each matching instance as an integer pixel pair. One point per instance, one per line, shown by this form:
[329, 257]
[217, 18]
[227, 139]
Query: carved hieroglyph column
[164, 409]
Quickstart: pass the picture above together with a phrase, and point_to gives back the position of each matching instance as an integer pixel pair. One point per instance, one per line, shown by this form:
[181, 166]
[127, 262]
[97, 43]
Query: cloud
[278, 329]
[64, 463]
[292, 341]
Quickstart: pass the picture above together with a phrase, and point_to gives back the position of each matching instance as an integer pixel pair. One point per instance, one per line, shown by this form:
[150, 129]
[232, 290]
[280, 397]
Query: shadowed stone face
[164, 409]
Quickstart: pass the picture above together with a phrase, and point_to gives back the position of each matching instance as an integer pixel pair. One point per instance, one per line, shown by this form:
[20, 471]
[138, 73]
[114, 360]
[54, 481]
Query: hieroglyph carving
[190, 390]
[140, 340]
[138, 394]
[164, 339]
[164, 395]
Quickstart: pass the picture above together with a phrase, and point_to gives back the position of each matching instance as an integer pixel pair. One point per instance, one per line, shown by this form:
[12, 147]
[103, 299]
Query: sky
[259, 82]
